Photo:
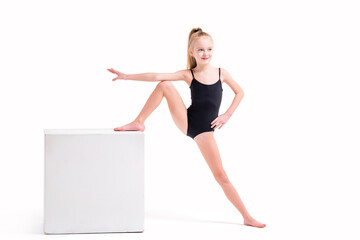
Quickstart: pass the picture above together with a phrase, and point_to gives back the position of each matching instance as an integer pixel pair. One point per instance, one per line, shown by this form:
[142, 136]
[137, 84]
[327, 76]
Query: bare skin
[205, 141]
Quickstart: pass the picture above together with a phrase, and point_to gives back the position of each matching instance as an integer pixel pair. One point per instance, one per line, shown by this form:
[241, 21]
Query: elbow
[240, 93]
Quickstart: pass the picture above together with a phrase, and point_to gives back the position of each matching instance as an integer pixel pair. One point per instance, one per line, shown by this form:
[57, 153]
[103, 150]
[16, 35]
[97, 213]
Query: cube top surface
[89, 131]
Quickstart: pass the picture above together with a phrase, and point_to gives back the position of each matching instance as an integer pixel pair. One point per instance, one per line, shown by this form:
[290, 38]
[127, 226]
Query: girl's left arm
[239, 94]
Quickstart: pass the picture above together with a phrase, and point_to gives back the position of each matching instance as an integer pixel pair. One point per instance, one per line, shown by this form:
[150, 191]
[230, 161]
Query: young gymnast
[201, 119]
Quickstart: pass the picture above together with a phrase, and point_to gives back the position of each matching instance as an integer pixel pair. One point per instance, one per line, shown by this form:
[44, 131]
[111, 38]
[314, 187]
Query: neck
[203, 67]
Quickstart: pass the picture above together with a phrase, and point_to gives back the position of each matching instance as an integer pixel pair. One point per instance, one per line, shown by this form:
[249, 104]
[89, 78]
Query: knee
[221, 178]
[164, 84]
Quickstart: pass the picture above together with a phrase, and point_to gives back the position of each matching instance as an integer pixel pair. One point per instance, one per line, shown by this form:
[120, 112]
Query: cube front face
[94, 181]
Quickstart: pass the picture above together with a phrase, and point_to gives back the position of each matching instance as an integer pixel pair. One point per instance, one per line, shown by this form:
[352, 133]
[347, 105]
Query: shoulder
[225, 75]
[186, 75]
[227, 78]
[184, 72]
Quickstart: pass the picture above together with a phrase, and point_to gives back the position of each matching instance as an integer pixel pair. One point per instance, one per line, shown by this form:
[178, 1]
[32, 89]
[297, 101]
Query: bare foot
[133, 126]
[252, 222]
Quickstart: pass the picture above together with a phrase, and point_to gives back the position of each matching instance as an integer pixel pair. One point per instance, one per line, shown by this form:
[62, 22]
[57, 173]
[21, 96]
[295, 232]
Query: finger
[219, 125]
[216, 125]
[214, 120]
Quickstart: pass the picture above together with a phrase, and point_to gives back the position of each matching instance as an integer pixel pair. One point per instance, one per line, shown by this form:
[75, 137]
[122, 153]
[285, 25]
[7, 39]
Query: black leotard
[204, 108]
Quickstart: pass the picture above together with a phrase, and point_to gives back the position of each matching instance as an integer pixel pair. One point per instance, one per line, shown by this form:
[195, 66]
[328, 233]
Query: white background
[291, 148]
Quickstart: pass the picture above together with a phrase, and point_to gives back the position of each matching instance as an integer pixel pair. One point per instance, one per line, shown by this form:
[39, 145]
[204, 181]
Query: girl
[201, 119]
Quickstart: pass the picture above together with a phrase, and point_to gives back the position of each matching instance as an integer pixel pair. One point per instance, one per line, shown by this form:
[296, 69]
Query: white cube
[94, 181]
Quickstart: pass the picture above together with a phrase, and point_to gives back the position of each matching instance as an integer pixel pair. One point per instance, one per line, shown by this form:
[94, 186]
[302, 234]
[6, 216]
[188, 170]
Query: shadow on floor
[175, 217]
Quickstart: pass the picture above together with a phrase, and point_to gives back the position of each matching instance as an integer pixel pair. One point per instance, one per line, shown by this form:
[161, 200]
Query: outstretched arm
[239, 94]
[151, 77]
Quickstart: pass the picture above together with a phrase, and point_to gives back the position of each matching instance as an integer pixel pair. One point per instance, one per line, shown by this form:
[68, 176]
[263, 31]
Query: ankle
[247, 217]
[139, 121]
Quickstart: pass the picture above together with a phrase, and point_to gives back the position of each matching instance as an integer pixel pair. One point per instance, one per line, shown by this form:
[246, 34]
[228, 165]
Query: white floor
[157, 226]
[176, 225]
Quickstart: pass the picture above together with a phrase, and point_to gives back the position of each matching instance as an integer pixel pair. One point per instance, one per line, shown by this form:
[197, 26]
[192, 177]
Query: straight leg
[209, 149]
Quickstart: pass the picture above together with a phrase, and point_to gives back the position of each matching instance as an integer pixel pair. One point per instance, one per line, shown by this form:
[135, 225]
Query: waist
[199, 109]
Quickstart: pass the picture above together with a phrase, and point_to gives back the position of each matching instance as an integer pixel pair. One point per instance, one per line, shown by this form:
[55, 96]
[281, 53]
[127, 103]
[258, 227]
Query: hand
[220, 121]
[120, 74]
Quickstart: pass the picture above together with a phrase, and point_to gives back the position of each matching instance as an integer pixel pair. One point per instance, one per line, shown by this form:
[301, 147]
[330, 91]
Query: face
[202, 50]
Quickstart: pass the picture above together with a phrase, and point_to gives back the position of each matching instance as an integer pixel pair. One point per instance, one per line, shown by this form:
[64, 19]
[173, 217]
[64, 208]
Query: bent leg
[176, 106]
[209, 149]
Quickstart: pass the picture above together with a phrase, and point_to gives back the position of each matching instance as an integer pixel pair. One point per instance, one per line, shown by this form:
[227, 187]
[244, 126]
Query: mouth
[205, 58]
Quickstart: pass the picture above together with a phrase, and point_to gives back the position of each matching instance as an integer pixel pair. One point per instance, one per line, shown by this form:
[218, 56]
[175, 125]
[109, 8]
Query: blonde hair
[195, 34]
